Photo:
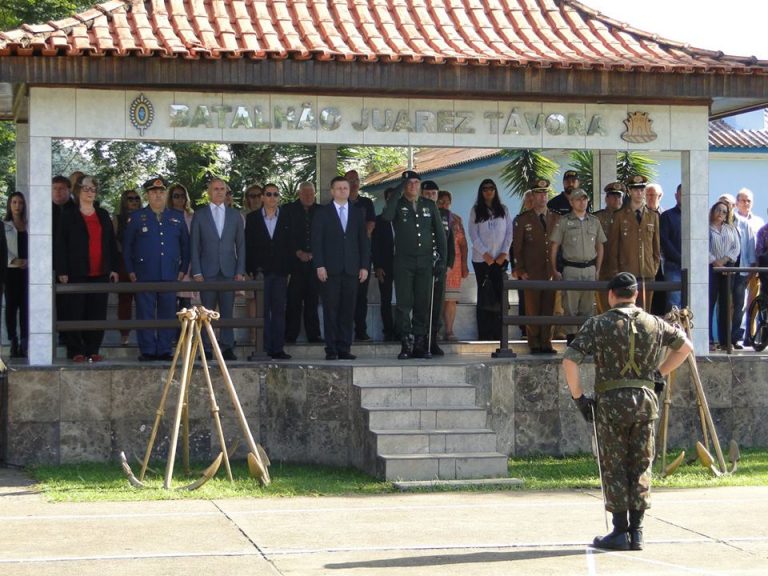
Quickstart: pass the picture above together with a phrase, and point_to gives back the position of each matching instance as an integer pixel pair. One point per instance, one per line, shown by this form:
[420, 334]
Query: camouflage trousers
[625, 431]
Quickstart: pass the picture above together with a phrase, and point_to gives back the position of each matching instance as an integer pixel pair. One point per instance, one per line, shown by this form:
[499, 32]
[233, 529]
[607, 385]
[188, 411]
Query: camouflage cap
[578, 193]
[570, 174]
[615, 188]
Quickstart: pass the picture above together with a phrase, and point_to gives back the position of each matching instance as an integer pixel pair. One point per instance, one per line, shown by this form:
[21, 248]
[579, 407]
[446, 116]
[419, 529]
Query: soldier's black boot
[636, 529]
[15, 350]
[434, 349]
[420, 347]
[618, 539]
[406, 348]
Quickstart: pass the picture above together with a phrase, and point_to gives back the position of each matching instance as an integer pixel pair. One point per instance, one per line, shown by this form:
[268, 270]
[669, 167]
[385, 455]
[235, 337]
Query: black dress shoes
[331, 356]
[228, 354]
[346, 356]
[164, 357]
[281, 356]
[147, 358]
[362, 337]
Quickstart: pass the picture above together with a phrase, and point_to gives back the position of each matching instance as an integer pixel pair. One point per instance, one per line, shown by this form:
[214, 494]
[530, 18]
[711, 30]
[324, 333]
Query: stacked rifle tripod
[190, 345]
[684, 319]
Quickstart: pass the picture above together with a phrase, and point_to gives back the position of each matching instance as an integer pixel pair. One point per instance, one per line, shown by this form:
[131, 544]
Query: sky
[737, 27]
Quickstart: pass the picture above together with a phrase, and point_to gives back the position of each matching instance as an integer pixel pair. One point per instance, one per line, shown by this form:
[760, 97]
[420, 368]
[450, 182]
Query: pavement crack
[256, 547]
[727, 543]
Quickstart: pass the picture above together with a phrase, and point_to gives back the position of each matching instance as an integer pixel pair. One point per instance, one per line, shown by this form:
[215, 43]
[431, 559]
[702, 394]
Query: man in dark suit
[268, 248]
[218, 253]
[383, 253]
[303, 287]
[341, 255]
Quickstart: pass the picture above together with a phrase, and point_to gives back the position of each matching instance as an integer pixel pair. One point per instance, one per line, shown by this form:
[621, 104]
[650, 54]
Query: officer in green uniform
[430, 189]
[627, 345]
[420, 251]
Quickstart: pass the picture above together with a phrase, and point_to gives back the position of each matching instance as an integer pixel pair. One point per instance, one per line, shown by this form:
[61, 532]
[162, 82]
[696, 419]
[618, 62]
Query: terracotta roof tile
[540, 33]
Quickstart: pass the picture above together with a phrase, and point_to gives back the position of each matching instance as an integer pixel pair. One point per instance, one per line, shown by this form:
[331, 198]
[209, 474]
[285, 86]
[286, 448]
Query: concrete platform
[719, 531]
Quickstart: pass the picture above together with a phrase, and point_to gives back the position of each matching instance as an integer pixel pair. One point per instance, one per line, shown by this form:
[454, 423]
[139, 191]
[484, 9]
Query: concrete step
[448, 466]
[434, 441]
[404, 395]
[432, 418]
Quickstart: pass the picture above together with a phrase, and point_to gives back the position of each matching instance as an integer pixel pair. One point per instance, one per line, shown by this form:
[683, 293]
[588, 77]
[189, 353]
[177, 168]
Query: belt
[616, 384]
[580, 264]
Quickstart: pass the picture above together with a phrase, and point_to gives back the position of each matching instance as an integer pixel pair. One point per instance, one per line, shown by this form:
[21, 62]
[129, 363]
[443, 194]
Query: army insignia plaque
[638, 128]
[141, 113]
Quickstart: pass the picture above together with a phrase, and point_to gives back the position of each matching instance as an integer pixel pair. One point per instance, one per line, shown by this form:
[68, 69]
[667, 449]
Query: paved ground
[710, 532]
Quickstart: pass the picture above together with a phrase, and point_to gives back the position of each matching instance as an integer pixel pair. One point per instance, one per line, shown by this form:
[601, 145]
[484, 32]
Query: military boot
[406, 348]
[636, 529]
[420, 349]
[434, 348]
[618, 539]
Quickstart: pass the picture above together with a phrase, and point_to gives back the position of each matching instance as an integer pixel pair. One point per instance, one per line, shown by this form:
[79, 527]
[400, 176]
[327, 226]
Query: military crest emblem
[638, 128]
[141, 113]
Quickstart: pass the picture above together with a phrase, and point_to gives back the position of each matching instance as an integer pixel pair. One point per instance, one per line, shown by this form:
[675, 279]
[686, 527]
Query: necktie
[543, 222]
[343, 217]
[639, 215]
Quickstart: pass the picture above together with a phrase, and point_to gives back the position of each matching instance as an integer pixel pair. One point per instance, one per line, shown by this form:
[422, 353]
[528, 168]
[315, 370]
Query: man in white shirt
[747, 224]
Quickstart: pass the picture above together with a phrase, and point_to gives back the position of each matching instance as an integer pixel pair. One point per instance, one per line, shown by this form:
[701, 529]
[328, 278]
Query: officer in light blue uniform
[156, 249]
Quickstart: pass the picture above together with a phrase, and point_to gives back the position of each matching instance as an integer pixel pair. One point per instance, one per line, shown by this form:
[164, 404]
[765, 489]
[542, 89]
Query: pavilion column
[37, 173]
[604, 171]
[326, 170]
[695, 221]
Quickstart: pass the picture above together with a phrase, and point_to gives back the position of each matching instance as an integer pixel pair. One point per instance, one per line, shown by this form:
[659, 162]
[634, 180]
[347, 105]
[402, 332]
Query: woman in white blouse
[724, 247]
[490, 229]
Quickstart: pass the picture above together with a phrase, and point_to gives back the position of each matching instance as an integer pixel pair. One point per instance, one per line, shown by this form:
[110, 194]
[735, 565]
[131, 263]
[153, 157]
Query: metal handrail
[503, 351]
[256, 286]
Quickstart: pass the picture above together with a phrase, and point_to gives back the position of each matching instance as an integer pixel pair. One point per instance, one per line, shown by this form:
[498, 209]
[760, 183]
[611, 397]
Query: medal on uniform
[144, 229]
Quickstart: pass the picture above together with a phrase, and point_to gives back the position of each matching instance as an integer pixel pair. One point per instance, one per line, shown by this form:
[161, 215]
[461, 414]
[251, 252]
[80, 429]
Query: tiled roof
[431, 160]
[520, 33]
[721, 135]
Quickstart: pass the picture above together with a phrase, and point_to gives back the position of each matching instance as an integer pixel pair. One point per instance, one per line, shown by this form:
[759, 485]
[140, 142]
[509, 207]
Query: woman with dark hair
[130, 201]
[16, 286]
[88, 254]
[724, 248]
[490, 228]
[178, 199]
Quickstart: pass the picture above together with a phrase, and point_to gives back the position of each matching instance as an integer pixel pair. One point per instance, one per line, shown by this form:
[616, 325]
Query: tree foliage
[523, 166]
[628, 164]
[13, 13]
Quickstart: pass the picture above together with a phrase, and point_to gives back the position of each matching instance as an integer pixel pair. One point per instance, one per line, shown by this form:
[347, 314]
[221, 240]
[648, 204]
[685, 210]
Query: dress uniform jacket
[156, 250]
[531, 244]
[606, 220]
[634, 247]
[418, 233]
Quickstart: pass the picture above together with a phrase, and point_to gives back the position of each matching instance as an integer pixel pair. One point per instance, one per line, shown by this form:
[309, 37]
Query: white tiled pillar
[605, 173]
[326, 170]
[695, 220]
[38, 175]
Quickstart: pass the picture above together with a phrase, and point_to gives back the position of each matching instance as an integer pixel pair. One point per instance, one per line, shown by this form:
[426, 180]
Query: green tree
[523, 166]
[193, 164]
[628, 164]
[14, 13]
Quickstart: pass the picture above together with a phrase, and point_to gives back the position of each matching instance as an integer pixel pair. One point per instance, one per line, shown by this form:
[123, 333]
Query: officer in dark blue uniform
[155, 249]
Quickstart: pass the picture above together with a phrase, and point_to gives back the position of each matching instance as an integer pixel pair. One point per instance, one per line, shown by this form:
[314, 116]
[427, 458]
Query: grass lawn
[106, 482]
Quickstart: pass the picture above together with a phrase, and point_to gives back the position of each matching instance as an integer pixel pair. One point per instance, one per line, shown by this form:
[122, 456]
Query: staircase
[425, 425]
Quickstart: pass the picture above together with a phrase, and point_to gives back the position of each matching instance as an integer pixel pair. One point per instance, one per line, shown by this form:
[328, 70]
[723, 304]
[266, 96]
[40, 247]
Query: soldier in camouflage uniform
[627, 344]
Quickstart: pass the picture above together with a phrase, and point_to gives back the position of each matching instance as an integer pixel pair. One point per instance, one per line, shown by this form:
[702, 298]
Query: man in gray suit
[218, 253]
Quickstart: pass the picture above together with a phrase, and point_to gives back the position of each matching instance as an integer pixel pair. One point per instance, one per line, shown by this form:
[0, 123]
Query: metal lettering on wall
[304, 117]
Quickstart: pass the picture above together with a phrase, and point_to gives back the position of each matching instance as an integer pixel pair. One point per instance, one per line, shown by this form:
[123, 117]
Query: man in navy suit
[218, 253]
[156, 249]
[341, 256]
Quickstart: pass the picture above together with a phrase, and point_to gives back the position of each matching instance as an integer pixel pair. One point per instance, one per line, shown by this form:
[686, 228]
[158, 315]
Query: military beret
[578, 193]
[156, 182]
[429, 185]
[637, 181]
[625, 281]
[615, 188]
[570, 174]
[540, 185]
[409, 174]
